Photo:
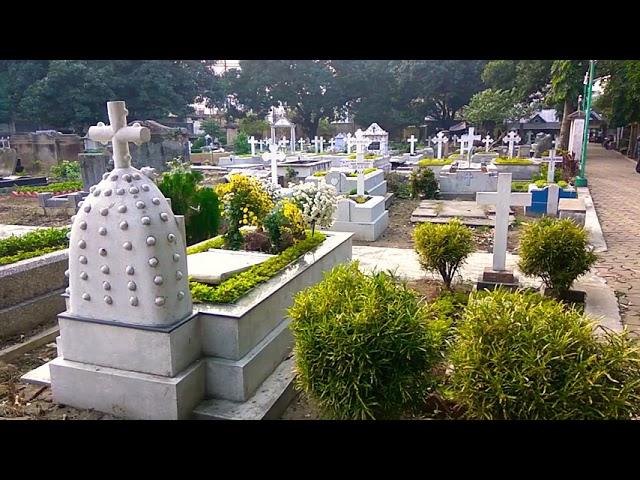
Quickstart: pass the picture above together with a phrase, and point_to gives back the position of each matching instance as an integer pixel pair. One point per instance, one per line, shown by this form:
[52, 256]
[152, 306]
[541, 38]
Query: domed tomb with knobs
[127, 256]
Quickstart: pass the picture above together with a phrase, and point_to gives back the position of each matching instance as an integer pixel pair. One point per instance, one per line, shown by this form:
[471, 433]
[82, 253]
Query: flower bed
[435, 162]
[57, 188]
[235, 287]
[33, 244]
[513, 161]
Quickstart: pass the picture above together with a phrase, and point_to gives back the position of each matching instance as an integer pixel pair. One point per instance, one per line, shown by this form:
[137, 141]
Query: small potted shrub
[423, 183]
[363, 346]
[521, 356]
[443, 247]
[556, 250]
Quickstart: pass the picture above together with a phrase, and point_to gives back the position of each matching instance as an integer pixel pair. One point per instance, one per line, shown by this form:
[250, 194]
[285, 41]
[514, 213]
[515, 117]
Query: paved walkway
[8, 230]
[615, 189]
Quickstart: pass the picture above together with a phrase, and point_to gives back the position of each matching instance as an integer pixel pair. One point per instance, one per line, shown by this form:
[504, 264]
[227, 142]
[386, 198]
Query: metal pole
[581, 180]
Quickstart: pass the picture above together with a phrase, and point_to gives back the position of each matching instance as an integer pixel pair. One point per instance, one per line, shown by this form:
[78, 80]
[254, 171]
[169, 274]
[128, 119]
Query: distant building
[546, 121]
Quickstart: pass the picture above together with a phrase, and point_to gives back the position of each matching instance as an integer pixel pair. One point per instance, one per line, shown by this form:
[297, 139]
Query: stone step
[38, 376]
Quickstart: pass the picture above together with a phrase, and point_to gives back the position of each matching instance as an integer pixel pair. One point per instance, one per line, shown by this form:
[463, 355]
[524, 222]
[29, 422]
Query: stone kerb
[367, 220]
[30, 292]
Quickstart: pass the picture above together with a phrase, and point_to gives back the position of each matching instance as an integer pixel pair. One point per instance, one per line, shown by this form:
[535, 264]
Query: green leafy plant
[241, 144]
[443, 247]
[366, 171]
[423, 183]
[520, 185]
[199, 205]
[434, 162]
[320, 174]
[70, 186]
[290, 174]
[354, 191]
[562, 184]
[66, 170]
[398, 184]
[363, 347]
[519, 356]
[285, 225]
[198, 143]
[32, 244]
[556, 250]
[235, 287]
[513, 161]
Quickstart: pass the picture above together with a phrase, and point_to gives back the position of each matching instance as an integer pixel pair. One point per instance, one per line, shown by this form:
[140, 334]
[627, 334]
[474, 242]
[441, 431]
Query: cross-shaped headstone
[487, 142]
[274, 156]
[332, 142]
[261, 144]
[512, 138]
[315, 144]
[361, 143]
[284, 142]
[503, 199]
[119, 134]
[412, 141]
[253, 142]
[468, 139]
[440, 139]
[301, 142]
[321, 140]
[468, 176]
[551, 163]
[349, 142]
[455, 140]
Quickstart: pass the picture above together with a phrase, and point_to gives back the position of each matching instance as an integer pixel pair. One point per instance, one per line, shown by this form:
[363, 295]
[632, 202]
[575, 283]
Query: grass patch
[520, 185]
[435, 162]
[33, 244]
[513, 161]
[54, 187]
[235, 287]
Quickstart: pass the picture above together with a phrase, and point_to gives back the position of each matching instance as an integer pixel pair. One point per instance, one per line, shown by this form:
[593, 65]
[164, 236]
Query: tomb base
[492, 279]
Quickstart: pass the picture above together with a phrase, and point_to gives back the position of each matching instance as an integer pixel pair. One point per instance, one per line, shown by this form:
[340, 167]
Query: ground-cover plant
[245, 202]
[363, 346]
[556, 250]
[513, 161]
[398, 184]
[235, 287]
[521, 356]
[67, 170]
[544, 170]
[199, 205]
[320, 174]
[70, 186]
[443, 247]
[366, 171]
[317, 203]
[32, 244]
[423, 183]
[520, 185]
[434, 162]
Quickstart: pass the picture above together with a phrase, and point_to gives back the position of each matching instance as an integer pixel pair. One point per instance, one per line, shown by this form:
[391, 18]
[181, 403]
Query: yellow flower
[244, 221]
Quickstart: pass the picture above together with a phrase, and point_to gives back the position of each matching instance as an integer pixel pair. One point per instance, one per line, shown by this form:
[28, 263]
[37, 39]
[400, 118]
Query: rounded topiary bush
[523, 356]
[423, 183]
[556, 250]
[363, 345]
[443, 247]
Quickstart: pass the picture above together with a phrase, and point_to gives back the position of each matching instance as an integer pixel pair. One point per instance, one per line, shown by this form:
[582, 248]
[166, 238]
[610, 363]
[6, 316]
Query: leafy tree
[212, 128]
[241, 145]
[567, 78]
[489, 108]
[253, 125]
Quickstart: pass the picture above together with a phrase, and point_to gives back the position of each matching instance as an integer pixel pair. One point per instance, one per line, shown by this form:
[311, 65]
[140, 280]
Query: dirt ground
[398, 233]
[24, 211]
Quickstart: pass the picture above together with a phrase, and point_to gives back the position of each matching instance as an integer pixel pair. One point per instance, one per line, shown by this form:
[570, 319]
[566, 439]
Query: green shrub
[544, 170]
[320, 174]
[70, 186]
[541, 183]
[434, 162]
[284, 225]
[66, 170]
[354, 191]
[199, 205]
[398, 184]
[363, 347]
[443, 247]
[241, 144]
[520, 186]
[32, 244]
[366, 171]
[562, 184]
[556, 251]
[198, 143]
[235, 287]
[522, 356]
[423, 183]
[513, 161]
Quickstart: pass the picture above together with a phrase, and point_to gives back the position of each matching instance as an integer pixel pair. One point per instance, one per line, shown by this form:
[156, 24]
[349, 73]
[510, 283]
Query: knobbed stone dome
[127, 257]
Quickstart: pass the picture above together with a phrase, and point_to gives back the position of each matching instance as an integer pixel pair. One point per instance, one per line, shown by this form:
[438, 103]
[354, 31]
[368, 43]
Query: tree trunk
[565, 126]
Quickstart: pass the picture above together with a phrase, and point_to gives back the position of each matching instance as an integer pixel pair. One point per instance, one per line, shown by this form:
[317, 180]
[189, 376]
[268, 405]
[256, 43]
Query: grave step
[38, 376]
[268, 403]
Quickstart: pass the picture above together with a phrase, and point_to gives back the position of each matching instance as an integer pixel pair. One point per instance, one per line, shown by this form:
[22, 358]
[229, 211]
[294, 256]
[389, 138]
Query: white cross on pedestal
[361, 143]
[315, 144]
[455, 140]
[551, 163]
[503, 199]
[512, 138]
[440, 139]
[261, 144]
[487, 142]
[468, 139]
[349, 142]
[412, 141]
[119, 134]
[274, 156]
[253, 142]
[284, 142]
[301, 142]
[321, 140]
[332, 142]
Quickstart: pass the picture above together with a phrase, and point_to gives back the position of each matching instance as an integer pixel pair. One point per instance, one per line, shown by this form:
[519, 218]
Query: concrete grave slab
[215, 266]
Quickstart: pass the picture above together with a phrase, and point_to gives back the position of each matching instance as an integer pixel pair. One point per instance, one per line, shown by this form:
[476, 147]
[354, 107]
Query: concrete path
[615, 190]
[8, 230]
[601, 303]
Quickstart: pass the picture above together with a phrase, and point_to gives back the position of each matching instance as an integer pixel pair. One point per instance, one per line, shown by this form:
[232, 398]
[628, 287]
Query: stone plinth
[8, 161]
[92, 167]
[519, 172]
[374, 182]
[492, 279]
[366, 220]
[573, 208]
[466, 182]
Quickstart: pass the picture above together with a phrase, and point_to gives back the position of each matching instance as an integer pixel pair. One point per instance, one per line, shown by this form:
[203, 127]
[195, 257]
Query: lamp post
[581, 179]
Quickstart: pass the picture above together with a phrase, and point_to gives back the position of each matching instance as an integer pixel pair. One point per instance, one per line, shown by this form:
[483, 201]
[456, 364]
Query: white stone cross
[321, 140]
[361, 143]
[487, 142]
[440, 139]
[511, 139]
[412, 141]
[315, 144]
[455, 140]
[503, 199]
[284, 142]
[551, 164]
[332, 142]
[274, 156]
[468, 139]
[119, 134]
[253, 142]
[349, 143]
[301, 142]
